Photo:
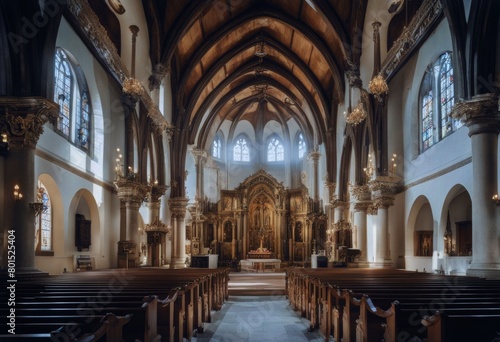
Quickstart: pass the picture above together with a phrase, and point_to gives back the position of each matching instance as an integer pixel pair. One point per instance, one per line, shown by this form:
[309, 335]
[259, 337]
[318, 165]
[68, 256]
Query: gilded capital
[361, 192]
[178, 206]
[22, 119]
[481, 113]
[155, 192]
[131, 191]
[362, 206]
[383, 201]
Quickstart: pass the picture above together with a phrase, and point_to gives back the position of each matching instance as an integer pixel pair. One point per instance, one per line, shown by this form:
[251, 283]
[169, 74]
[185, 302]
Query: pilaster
[21, 122]
[481, 115]
[178, 207]
[383, 190]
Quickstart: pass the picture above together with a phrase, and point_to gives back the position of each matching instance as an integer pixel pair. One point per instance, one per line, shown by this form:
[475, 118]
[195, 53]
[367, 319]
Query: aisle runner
[257, 319]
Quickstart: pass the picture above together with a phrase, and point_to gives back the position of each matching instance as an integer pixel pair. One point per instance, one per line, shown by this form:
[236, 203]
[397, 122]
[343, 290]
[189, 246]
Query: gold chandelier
[378, 86]
[357, 115]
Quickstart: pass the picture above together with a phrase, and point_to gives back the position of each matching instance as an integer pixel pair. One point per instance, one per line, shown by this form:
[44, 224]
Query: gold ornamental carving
[384, 185]
[158, 226]
[412, 34]
[131, 191]
[154, 193]
[23, 119]
[482, 110]
[361, 192]
[383, 202]
[178, 206]
[105, 48]
[362, 206]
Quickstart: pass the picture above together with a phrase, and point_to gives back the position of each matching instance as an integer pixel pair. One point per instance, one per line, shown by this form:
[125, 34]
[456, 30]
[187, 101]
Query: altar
[260, 264]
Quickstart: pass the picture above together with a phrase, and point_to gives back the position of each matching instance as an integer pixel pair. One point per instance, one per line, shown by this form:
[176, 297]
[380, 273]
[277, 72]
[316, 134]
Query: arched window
[302, 146]
[63, 90]
[241, 152]
[437, 98]
[275, 151]
[217, 148]
[71, 93]
[43, 234]
[83, 121]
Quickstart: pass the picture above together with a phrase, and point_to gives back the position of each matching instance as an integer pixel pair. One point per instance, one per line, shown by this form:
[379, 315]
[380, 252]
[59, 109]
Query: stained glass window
[275, 151]
[44, 231]
[72, 95]
[437, 98]
[427, 121]
[83, 121]
[447, 95]
[216, 148]
[241, 152]
[62, 93]
[302, 146]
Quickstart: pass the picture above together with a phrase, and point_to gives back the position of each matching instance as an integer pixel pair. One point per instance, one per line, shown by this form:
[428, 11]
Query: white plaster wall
[63, 158]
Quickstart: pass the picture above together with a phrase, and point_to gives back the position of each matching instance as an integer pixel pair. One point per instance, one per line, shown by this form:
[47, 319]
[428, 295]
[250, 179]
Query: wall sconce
[17, 194]
[5, 139]
[496, 199]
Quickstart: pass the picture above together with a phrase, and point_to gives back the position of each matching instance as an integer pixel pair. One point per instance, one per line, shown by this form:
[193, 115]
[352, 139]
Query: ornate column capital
[178, 206]
[361, 192]
[481, 113]
[22, 119]
[154, 193]
[314, 155]
[383, 202]
[332, 197]
[157, 76]
[131, 191]
[199, 154]
[362, 206]
[383, 189]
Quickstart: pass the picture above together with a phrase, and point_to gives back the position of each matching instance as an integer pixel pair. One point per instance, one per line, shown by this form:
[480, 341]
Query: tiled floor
[257, 311]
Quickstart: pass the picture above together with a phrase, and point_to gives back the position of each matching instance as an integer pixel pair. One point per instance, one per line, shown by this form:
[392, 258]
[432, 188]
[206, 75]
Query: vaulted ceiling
[210, 49]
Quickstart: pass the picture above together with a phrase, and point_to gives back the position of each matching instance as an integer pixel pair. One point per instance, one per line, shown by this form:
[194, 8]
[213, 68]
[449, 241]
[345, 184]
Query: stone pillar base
[360, 264]
[178, 263]
[490, 271]
[382, 264]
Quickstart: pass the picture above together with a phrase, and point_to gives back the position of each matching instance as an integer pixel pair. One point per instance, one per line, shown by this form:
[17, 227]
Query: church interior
[250, 134]
[147, 133]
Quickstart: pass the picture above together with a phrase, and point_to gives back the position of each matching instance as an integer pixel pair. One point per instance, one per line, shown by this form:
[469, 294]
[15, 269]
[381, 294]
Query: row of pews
[140, 304]
[395, 305]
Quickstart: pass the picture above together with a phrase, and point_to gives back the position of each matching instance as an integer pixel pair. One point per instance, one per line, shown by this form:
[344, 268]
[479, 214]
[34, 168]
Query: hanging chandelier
[378, 86]
[357, 115]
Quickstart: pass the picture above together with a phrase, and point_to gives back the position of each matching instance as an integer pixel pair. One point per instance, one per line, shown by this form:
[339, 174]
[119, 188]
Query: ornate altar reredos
[262, 219]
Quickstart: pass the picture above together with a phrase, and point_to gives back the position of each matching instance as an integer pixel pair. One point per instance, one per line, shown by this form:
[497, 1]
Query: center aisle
[256, 311]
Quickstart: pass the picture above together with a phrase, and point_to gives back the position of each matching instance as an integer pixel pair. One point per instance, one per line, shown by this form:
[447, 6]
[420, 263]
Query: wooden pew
[360, 315]
[195, 292]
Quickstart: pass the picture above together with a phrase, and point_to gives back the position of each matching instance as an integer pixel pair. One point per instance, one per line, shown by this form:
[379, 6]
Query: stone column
[178, 209]
[200, 156]
[131, 194]
[22, 120]
[362, 195]
[481, 114]
[314, 158]
[383, 189]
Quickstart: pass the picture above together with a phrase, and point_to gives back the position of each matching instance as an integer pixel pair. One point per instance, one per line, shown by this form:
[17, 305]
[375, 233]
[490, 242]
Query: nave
[257, 310]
